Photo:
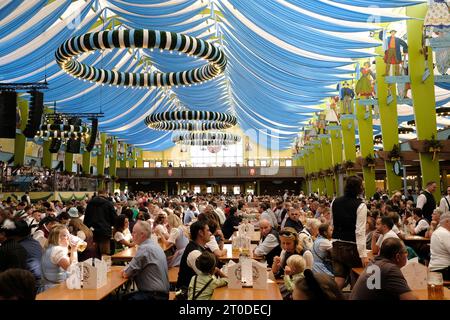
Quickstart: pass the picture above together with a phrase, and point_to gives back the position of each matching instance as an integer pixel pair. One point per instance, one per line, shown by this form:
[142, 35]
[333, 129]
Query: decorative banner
[141, 38]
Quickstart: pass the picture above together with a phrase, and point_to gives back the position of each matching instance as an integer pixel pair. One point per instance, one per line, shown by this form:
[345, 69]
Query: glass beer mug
[435, 283]
[77, 242]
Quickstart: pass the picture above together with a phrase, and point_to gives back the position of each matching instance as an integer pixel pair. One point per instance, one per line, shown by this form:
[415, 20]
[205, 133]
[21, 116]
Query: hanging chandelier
[205, 138]
[190, 120]
[141, 38]
[63, 129]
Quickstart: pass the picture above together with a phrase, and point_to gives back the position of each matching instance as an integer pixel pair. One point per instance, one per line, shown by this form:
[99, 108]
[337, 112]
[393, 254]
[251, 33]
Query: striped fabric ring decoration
[205, 138]
[141, 38]
[190, 120]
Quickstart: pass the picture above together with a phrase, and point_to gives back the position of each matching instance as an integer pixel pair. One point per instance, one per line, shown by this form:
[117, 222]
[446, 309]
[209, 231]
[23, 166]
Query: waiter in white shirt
[444, 205]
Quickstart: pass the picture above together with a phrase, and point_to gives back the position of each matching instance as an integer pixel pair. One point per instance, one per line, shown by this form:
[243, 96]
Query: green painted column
[424, 100]
[101, 155]
[140, 159]
[327, 162]
[113, 160]
[68, 161]
[336, 145]
[123, 162]
[46, 155]
[349, 138]
[21, 141]
[86, 162]
[321, 181]
[389, 121]
[132, 163]
[365, 130]
[309, 166]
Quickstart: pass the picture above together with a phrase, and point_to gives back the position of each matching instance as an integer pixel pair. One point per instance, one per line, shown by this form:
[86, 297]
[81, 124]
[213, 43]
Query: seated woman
[122, 234]
[56, 260]
[159, 226]
[230, 222]
[178, 239]
[322, 250]
[290, 245]
[435, 219]
[79, 229]
[309, 233]
[316, 286]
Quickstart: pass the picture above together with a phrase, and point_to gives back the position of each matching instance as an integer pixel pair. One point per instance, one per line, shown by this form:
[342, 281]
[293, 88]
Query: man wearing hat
[73, 212]
[393, 54]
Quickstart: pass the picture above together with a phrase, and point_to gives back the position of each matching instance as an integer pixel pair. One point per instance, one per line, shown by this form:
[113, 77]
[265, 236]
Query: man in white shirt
[421, 226]
[267, 214]
[383, 231]
[444, 205]
[440, 248]
[269, 245]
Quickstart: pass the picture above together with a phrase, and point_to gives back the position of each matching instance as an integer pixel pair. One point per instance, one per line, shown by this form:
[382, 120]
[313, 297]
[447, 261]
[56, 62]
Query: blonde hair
[313, 223]
[53, 236]
[296, 263]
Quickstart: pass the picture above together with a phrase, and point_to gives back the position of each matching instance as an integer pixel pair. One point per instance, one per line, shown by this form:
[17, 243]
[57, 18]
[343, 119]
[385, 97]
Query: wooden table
[256, 236]
[235, 256]
[412, 238]
[271, 293]
[423, 294]
[61, 292]
[125, 255]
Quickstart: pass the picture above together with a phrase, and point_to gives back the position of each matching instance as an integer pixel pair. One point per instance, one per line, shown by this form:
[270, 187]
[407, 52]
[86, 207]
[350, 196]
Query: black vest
[429, 206]
[344, 218]
[275, 251]
[185, 273]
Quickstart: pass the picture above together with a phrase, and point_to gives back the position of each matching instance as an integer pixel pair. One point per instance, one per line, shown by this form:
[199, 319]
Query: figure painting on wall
[393, 54]
[438, 16]
[347, 94]
[332, 116]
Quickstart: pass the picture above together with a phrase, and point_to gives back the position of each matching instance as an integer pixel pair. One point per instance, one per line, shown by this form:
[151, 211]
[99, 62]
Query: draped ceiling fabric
[285, 57]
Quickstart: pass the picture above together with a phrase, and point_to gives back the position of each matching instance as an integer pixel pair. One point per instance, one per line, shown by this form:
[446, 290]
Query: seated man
[383, 280]
[440, 248]
[269, 245]
[383, 231]
[148, 268]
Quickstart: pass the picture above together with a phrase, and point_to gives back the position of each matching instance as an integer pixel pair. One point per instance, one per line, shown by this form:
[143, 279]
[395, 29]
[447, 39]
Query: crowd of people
[310, 242]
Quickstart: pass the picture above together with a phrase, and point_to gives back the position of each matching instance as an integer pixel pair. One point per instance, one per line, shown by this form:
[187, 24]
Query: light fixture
[190, 120]
[140, 38]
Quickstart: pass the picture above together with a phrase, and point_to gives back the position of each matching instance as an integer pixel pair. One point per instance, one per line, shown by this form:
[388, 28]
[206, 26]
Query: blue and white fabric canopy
[284, 58]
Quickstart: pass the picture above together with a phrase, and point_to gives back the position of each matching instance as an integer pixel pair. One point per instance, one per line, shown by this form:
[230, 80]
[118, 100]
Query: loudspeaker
[93, 136]
[8, 106]
[73, 145]
[55, 144]
[35, 109]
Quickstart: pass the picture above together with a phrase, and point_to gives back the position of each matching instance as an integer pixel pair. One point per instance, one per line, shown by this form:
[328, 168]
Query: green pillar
[132, 163]
[101, 155]
[46, 155]
[21, 141]
[123, 162]
[258, 188]
[348, 136]
[388, 119]
[321, 181]
[68, 161]
[86, 162]
[113, 160]
[423, 93]
[365, 130]
[140, 159]
[327, 162]
[166, 187]
[336, 145]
